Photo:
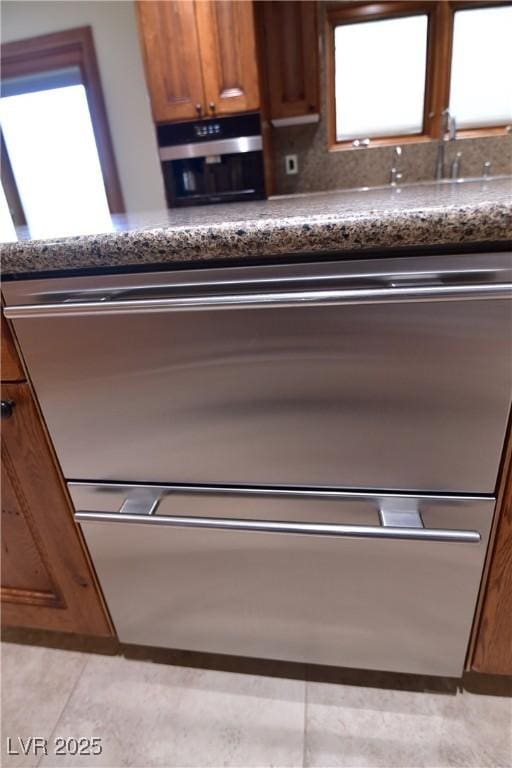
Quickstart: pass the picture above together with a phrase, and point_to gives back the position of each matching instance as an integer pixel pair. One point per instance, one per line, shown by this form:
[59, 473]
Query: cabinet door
[228, 55]
[172, 59]
[493, 642]
[46, 580]
[10, 364]
[291, 56]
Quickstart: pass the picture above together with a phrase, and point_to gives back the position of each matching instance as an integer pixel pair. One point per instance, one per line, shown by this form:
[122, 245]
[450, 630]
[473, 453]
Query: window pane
[41, 81]
[7, 230]
[55, 162]
[481, 80]
[380, 77]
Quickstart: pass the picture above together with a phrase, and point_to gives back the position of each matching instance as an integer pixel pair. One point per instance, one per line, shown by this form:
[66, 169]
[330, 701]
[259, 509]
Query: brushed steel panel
[403, 606]
[411, 396]
[399, 396]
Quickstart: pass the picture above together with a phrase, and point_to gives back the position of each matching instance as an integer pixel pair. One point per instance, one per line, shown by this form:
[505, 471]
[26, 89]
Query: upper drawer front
[403, 395]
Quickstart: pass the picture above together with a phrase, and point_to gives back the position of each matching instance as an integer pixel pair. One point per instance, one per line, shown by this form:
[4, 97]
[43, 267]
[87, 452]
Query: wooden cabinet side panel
[493, 646]
[171, 58]
[228, 53]
[292, 57]
[11, 369]
[56, 590]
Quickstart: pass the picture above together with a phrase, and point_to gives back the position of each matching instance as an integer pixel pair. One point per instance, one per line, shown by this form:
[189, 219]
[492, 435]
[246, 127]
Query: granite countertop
[473, 211]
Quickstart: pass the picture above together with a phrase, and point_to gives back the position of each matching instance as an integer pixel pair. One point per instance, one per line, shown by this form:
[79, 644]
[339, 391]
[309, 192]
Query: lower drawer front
[374, 603]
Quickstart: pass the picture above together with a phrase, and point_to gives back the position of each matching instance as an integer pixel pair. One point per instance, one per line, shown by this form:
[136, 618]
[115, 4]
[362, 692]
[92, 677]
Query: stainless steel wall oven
[212, 161]
[295, 462]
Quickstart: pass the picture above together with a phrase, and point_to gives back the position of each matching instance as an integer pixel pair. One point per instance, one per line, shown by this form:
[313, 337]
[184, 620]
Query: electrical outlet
[292, 164]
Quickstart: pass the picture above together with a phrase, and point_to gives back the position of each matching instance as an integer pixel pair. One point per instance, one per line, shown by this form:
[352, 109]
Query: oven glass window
[215, 178]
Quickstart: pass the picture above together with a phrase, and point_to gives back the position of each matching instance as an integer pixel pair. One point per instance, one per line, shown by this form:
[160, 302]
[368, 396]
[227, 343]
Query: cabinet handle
[291, 298]
[211, 106]
[199, 109]
[266, 526]
[7, 408]
[141, 504]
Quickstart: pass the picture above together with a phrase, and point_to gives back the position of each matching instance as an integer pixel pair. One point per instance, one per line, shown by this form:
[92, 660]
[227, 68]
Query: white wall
[119, 57]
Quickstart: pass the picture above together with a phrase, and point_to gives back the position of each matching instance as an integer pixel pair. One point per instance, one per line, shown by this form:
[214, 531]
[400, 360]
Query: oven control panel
[231, 127]
[207, 129]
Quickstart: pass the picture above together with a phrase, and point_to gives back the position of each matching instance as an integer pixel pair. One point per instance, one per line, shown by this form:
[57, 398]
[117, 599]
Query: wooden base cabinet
[492, 652]
[46, 577]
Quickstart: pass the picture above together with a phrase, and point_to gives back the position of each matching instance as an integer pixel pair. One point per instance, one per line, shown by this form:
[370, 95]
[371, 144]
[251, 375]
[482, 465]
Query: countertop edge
[265, 238]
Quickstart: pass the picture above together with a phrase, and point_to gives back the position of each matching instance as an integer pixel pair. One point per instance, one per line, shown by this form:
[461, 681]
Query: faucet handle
[396, 175]
[456, 166]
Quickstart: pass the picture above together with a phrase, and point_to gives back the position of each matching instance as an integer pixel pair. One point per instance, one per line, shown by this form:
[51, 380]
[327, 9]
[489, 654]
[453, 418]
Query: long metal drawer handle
[264, 526]
[321, 297]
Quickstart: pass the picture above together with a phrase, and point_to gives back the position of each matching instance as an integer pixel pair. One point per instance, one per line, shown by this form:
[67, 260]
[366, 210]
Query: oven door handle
[292, 298]
[411, 530]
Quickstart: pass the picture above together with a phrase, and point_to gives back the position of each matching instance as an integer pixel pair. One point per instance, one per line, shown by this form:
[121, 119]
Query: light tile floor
[149, 714]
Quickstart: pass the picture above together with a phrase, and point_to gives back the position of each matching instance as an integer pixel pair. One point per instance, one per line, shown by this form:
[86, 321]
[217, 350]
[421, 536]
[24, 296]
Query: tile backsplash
[320, 169]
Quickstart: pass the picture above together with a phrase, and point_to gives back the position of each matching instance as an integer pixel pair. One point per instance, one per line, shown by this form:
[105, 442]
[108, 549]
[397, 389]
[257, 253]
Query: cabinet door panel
[172, 58]
[25, 574]
[493, 641]
[47, 582]
[228, 54]
[10, 363]
[291, 57]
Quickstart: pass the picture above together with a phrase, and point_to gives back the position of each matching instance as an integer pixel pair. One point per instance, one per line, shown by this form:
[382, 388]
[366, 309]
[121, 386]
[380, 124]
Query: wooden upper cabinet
[199, 56]
[171, 58]
[291, 57]
[228, 55]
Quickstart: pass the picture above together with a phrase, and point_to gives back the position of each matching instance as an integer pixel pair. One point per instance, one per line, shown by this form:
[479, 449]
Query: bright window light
[7, 230]
[380, 72]
[51, 145]
[481, 79]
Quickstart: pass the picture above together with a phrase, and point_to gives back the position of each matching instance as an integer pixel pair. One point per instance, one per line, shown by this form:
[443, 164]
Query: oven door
[377, 582]
[214, 179]
[387, 374]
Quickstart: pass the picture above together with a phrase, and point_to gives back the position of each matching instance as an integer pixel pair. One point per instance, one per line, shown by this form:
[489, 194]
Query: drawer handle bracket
[141, 501]
[400, 518]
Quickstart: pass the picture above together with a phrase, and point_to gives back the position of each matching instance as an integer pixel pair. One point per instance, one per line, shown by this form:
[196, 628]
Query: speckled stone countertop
[330, 222]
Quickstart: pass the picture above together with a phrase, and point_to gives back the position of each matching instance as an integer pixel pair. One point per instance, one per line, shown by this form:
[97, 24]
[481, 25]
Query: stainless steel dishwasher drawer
[379, 374]
[305, 576]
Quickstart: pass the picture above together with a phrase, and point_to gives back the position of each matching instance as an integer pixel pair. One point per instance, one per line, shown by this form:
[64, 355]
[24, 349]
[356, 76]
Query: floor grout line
[59, 717]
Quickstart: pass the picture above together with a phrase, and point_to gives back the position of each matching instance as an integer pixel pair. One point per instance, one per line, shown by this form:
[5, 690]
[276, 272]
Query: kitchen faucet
[448, 125]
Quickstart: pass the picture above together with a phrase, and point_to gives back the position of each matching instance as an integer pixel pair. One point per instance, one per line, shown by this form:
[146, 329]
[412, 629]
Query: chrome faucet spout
[445, 122]
[452, 129]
